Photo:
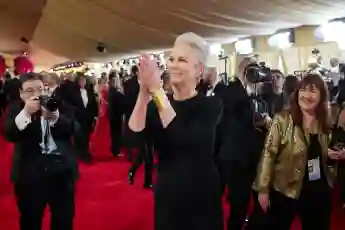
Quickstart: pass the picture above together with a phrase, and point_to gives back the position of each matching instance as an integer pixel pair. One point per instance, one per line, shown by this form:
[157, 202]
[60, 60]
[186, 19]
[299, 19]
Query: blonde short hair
[197, 43]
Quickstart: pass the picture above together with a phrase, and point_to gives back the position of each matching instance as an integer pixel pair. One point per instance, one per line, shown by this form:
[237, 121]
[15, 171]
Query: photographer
[44, 164]
[242, 138]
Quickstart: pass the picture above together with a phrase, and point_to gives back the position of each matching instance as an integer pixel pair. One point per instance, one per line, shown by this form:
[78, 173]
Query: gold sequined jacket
[283, 161]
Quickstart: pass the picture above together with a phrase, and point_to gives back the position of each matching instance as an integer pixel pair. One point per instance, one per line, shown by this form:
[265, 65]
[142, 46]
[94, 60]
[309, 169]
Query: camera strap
[46, 135]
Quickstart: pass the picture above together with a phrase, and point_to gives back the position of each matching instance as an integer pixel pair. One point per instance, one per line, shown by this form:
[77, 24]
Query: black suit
[11, 89]
[116, 110]
[202, 87]
[68, 88]
[2, 97]
[66, 106]
[85, 117]
[240, 150]
[145, 152]
[131, 90]
[41, 179]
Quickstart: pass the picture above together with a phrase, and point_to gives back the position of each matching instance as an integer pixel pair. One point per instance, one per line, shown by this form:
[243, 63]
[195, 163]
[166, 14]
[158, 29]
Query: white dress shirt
[84, 97]
[210, 91]
[22, 120]
[334, 75]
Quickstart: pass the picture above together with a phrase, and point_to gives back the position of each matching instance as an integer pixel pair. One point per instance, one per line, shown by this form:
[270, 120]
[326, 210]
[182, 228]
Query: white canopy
[70, 29]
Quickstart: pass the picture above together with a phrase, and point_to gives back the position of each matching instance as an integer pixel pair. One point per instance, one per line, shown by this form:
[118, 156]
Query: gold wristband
[158, 99]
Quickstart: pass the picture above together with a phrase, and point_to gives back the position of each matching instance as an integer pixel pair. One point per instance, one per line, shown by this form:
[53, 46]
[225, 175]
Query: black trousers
[82, 139]
[2, 103]
[258, 219]
[130, 139]
[55, 191]
[116, 135]
[239, 182]
[313, 207]
[144, 155]
[341, 180]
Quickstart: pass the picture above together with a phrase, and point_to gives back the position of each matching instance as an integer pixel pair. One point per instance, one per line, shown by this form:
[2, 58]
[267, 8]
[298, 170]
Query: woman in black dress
[187, 192]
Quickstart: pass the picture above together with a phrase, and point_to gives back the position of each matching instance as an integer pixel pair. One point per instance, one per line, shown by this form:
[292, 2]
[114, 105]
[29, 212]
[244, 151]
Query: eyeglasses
[32, 91]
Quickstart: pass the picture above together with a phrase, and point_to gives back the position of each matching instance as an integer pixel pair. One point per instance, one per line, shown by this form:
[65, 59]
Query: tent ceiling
[18, 19]
[72, 28]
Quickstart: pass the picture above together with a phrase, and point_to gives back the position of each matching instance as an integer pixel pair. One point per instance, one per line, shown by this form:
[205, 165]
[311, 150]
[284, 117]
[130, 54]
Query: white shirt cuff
[22, 120]
[56, 118]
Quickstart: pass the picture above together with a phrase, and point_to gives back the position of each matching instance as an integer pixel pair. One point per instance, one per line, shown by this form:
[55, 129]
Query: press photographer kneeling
[44, 165]
[243, 129]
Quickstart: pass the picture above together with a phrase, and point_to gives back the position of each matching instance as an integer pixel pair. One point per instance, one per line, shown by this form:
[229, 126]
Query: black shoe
[130, 178]
[148, 185]
[116, 154]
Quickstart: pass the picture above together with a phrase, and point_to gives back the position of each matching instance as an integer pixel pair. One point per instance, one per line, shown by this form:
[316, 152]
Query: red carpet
[104, 200]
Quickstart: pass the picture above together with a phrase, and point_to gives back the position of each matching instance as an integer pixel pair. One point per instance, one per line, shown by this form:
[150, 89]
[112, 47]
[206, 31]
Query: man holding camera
[242, 139]
[44, 165]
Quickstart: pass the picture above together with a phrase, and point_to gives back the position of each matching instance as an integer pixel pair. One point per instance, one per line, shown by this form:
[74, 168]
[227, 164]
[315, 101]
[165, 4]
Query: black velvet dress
[187, 194]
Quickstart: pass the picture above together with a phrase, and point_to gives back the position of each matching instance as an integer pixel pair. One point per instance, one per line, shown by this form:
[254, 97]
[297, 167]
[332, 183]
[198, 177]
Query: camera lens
[49, 103]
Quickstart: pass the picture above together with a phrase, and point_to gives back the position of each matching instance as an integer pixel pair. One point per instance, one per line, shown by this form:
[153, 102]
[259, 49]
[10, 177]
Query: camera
[49, 103]
[257, 73]
[315, 51]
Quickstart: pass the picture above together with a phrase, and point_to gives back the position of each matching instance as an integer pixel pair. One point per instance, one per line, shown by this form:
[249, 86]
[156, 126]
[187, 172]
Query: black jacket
[11, 89]
[131, 90]
[84, 115]
[27, 165]
[117, 104]
[240, 141]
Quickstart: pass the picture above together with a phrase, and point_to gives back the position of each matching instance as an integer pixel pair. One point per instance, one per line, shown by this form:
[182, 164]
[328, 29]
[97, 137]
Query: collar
[52, 89]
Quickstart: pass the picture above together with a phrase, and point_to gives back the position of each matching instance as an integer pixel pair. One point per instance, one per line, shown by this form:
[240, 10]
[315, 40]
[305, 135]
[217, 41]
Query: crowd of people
[281, 141]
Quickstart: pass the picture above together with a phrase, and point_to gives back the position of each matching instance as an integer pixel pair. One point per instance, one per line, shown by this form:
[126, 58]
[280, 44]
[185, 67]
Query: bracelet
[158, 99]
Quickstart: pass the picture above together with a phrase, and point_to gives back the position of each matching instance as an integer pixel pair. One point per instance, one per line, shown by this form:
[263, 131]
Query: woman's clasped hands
[149, 74]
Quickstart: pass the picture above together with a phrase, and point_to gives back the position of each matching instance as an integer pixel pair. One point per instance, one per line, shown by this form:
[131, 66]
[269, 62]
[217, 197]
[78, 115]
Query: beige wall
[295, 57]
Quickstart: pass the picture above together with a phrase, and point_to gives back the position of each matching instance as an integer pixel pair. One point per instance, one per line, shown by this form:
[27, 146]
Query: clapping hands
[149, 74]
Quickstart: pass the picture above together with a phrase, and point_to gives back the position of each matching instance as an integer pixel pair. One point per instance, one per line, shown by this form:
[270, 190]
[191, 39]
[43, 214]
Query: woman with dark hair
[291, 82]
[295, 174]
